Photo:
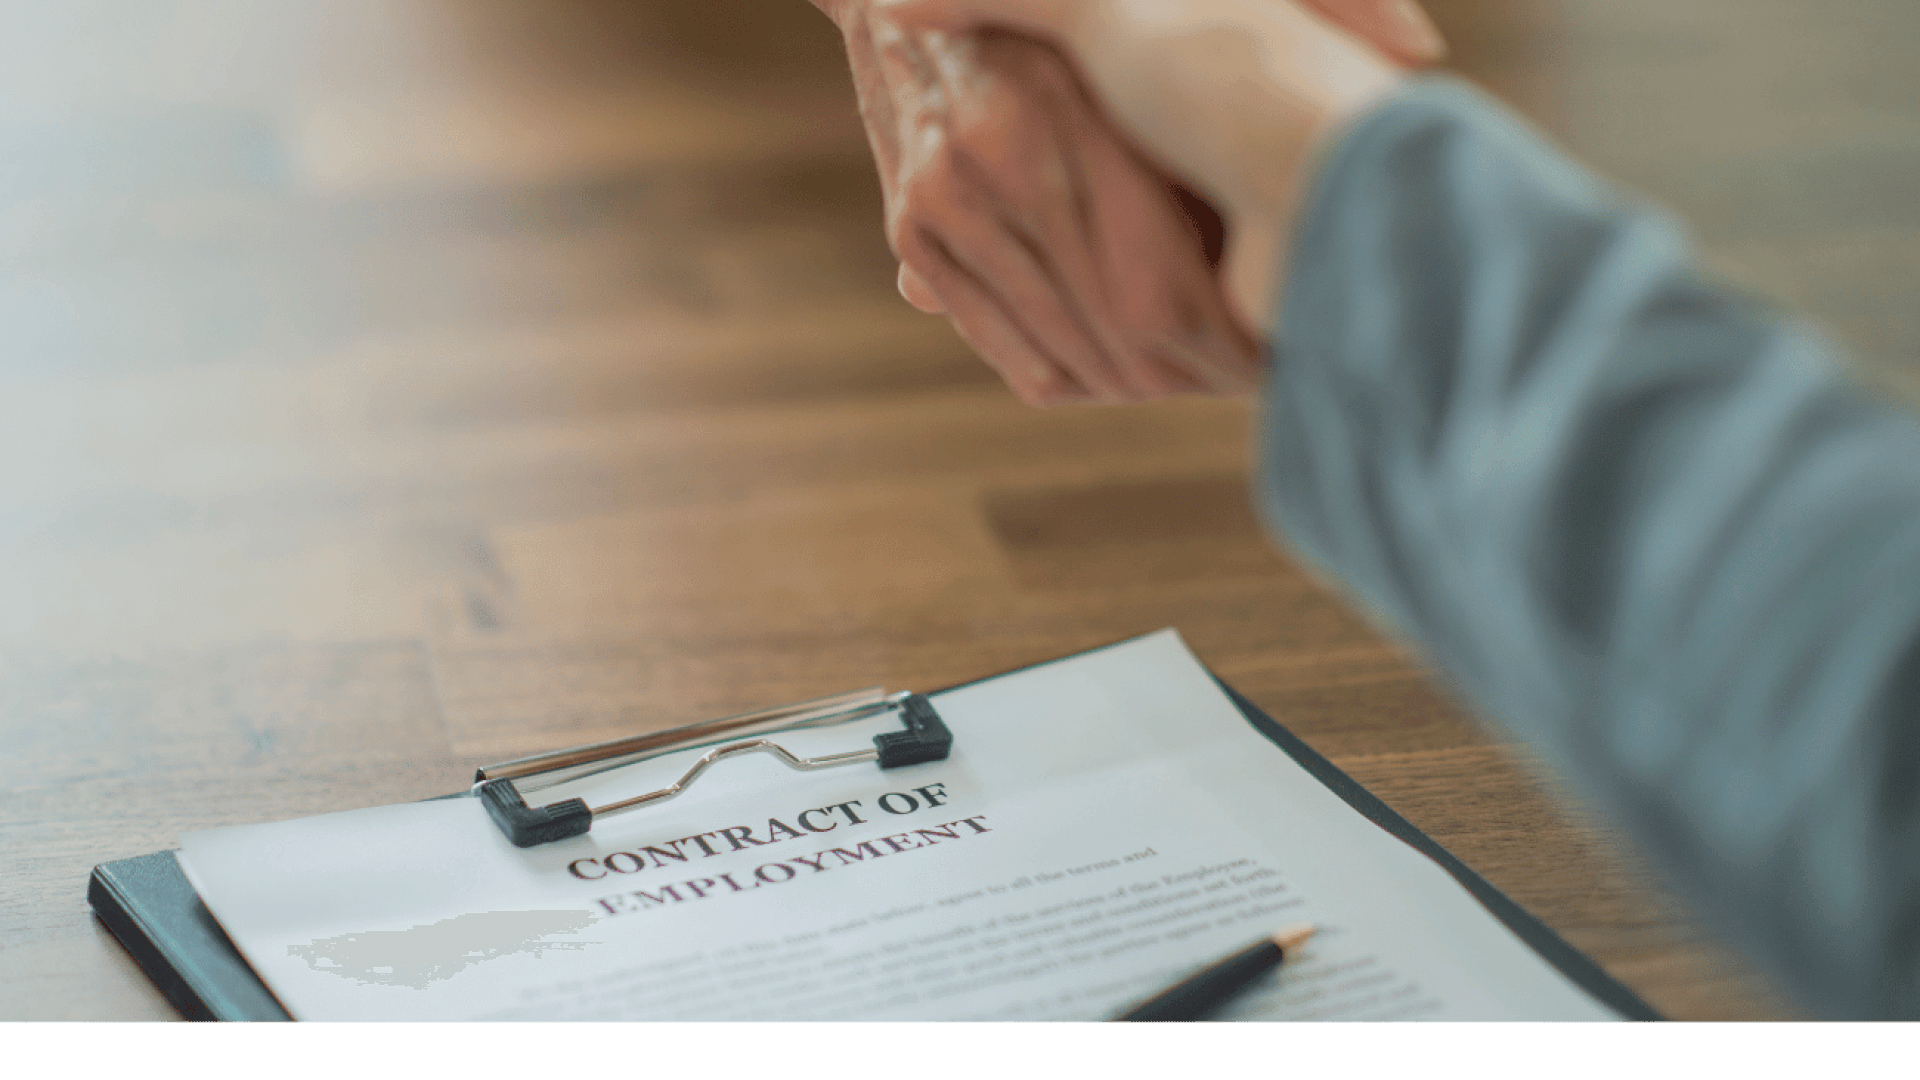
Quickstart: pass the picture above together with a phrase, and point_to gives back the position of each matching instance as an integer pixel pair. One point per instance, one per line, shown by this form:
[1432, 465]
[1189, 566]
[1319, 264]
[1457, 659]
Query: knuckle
[909, 238]
[1142, 382]
[975, 134]
[1138, 315]
[928, 196]
[1156, 309]
[1184, 315]
[934, 186]
[993, 125]
[902, 237]
[926, 191]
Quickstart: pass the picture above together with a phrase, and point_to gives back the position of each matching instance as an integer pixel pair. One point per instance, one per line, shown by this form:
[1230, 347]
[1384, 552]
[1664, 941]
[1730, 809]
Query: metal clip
[924, 737]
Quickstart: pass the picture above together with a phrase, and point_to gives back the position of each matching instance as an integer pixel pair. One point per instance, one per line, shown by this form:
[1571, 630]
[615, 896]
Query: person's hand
[1232, 96]
[1064, 260]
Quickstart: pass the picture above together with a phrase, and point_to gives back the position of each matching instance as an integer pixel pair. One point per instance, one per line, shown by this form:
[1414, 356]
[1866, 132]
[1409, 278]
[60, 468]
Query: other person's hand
[1234, 97]
[1060, 256]
[1063, 258]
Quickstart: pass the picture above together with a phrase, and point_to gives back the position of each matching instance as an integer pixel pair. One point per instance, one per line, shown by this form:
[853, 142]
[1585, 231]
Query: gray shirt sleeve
[1646, 524]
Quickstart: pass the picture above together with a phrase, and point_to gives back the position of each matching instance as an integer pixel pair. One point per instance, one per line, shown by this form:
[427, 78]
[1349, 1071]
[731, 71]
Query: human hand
[1232, 96]
[1064, 260]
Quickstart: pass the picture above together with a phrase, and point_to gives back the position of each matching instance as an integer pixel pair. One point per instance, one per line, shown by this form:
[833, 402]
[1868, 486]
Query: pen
[1197, 996]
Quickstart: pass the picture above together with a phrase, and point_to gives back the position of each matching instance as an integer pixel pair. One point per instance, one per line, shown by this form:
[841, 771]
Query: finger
[1146, 253]
[1181, 315]
[943, 195]
[1176, 374]
[1006, 268]
[1143, 250]
[1221, 360]
[1165, 295]
[905, 89]
[872, 95]
[1018, 117]
[1398, 28]
[1225, 362]
[1225, 346]
[1225, 355]
[1125, 244]
[917, 292]
[1250, 277]
[986, 326]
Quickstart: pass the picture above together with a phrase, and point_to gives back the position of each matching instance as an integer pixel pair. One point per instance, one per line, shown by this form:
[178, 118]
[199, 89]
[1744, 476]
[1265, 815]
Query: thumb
[1398, 28]
[1250, 278]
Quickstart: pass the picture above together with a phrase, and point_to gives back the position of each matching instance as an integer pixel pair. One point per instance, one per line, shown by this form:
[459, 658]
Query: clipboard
[150, 907]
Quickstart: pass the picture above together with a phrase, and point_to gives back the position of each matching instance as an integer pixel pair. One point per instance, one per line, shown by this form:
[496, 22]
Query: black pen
[1196, 997]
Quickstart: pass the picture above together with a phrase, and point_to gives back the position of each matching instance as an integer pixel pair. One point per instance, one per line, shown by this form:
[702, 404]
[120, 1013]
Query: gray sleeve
[1646, 524]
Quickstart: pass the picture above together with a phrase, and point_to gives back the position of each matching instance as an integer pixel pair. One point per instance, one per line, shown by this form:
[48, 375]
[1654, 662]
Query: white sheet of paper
[1104, 825]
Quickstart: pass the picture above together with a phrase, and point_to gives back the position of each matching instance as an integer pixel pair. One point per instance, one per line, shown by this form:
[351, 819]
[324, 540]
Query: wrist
[1306, 92]
[1298, 124]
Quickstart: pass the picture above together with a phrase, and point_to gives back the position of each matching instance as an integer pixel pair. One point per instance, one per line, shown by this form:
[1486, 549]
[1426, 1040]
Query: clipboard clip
[923, 737]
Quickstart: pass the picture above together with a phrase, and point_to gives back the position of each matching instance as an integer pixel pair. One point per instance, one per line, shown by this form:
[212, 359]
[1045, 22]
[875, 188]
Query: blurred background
[391, 387]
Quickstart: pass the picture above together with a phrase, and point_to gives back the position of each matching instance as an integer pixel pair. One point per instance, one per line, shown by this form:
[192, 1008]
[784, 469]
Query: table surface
[390, 388]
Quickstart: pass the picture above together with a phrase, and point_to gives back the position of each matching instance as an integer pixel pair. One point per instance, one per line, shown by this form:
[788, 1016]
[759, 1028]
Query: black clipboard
[150, 907]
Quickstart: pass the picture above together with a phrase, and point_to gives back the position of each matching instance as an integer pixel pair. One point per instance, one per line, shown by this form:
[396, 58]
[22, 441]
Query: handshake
[1099, 193]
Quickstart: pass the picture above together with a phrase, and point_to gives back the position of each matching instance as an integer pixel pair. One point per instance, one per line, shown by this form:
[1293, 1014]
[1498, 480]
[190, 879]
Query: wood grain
[389, 387]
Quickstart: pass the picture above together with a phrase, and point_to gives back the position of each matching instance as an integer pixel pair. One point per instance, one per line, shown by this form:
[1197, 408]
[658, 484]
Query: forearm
[1646, 524]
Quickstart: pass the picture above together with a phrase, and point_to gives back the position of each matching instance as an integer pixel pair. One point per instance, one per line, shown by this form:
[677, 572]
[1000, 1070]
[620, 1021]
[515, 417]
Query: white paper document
[1105, 825]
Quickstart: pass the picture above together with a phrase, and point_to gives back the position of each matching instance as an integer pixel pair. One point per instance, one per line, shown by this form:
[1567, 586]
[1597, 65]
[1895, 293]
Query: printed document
[1105, 825]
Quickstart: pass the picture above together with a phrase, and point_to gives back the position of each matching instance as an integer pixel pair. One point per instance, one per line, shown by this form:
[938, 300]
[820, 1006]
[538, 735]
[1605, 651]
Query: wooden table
[386, 389]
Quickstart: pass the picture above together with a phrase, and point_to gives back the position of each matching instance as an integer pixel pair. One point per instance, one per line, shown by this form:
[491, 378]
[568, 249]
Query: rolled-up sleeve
[1645, 523]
